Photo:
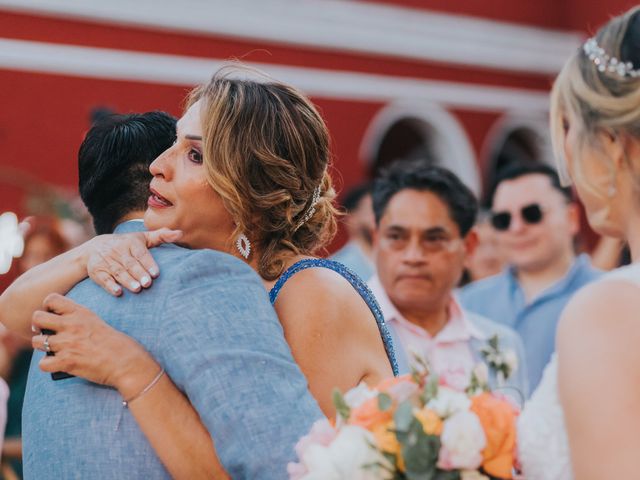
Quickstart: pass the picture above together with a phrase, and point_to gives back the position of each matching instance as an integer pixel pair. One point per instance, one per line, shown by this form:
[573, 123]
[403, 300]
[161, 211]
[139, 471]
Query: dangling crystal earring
[243, 245]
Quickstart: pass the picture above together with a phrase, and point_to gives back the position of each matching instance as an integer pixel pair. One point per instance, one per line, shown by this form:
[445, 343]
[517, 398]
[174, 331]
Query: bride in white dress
[584, 420]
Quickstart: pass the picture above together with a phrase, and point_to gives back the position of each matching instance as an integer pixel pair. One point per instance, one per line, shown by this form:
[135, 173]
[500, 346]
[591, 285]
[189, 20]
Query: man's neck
[432, 320]
[135, 215]
[533, 282]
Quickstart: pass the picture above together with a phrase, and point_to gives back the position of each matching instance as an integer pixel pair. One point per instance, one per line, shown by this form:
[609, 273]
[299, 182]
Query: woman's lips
[158, 201]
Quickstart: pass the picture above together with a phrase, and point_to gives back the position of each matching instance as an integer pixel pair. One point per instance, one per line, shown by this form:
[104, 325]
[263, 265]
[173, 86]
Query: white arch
[536, 122]
[451, 145]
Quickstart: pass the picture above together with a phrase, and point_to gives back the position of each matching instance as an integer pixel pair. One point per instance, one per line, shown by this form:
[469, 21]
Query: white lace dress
[543, 446]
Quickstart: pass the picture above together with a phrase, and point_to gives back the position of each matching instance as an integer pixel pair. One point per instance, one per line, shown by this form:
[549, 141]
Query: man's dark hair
[517, 170]
[355, 194]
[113, 164]
[461, 202]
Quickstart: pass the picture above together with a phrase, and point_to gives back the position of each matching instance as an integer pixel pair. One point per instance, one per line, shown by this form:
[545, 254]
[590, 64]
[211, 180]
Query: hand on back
[124, 261]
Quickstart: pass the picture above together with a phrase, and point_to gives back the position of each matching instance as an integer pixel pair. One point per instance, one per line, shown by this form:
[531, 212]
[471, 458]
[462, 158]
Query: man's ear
[375, 245]
[573, 218]
[471, 242]
[375, 239]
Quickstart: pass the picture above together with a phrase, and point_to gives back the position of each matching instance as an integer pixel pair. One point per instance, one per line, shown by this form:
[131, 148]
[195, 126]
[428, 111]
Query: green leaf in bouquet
[384, 402]
[420, 453]
[403, 417]
[420, 368]
[430, 389]
[447, 475]
[341, 405]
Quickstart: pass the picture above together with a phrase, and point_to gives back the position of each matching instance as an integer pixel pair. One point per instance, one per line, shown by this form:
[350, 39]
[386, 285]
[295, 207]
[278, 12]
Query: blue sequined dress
[357, 283]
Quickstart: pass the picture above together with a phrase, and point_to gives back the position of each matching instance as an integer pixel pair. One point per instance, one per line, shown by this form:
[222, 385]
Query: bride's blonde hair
[599, 101]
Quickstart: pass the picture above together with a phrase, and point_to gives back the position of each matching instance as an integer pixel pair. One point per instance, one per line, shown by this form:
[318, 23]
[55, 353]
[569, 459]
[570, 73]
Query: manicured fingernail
[116, 289]
[134, 285]
[34, 329]
[154, 271]
[145, 281]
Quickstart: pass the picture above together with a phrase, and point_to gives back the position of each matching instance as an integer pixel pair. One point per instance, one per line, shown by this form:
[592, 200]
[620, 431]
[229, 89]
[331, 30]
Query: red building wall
[43, 116]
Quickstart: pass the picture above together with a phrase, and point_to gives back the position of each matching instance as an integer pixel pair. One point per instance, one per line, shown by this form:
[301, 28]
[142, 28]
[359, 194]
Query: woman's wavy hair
[266, 150]
[600, 101]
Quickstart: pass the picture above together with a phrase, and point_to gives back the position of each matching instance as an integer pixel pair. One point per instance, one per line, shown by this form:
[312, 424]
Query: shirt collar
[458, 328]
[580, 263]
[133, 225]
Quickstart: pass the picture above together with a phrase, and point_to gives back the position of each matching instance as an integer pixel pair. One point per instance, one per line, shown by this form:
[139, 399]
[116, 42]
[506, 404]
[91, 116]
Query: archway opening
[406, 139]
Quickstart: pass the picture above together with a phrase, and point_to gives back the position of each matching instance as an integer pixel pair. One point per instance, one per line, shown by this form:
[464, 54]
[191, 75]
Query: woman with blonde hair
[583, 421]
[247, 175]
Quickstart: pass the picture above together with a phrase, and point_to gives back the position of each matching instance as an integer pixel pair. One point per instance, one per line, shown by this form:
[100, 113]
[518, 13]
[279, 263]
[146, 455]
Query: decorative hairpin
[311, 210]
[607, 63]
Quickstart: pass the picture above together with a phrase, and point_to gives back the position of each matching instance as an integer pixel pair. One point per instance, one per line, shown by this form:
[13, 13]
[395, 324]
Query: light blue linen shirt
[501, 299]
[208, 321]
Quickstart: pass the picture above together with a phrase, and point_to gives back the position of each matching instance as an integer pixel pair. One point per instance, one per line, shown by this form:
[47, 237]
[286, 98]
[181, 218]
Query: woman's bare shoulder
[323, 294]
[602, 315]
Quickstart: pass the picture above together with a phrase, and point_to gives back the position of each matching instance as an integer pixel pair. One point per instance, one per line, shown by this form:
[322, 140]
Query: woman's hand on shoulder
[123, 260]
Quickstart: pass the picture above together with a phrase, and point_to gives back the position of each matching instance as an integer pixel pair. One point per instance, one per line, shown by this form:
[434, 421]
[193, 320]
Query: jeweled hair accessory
[606, 63]
[311, 209]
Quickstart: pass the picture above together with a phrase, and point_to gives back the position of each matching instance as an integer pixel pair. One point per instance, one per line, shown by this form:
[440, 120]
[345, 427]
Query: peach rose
[498, 419]
[368, 415]
[387, 442]
[431, 422]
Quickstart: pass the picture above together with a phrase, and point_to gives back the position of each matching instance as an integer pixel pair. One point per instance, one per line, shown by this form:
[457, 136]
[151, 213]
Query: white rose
[358, 395]
[448, 402]
[463, 440]
[511, 359]
[11, 241]
[481, 371]
[345, 457]
[317, 460]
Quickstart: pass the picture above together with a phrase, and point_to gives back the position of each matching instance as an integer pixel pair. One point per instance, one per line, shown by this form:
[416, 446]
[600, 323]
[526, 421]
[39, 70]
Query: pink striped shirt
[448, 352]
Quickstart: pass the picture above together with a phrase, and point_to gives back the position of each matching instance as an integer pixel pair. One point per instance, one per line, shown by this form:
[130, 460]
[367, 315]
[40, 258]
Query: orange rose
[431, 422]
[368, 415]
[388, 383]
[498, 420]
[387, 441]
[386, 438]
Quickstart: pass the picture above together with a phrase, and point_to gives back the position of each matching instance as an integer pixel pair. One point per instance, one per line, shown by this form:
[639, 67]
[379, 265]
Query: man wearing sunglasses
[424, 233]
[535, 220]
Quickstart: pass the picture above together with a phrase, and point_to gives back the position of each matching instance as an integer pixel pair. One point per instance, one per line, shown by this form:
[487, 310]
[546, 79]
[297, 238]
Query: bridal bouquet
[412, 427]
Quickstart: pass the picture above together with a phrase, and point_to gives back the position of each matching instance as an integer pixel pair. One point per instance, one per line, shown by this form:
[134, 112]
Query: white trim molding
[450, 144]
[348, 26]
[102, 63]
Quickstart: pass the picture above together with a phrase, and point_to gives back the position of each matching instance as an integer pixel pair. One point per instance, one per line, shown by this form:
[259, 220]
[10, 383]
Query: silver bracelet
[125, 403]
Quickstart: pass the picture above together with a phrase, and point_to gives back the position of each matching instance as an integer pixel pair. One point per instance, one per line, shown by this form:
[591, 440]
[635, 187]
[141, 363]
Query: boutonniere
[504, 362]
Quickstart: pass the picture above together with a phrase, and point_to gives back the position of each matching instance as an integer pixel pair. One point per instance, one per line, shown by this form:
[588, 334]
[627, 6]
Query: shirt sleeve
[223, 345]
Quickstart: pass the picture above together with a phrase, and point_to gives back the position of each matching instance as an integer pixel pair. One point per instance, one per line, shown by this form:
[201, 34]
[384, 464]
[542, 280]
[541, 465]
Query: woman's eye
[195, 156]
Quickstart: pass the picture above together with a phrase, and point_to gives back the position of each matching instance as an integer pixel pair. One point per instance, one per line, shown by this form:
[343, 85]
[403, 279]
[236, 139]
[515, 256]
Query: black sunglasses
[531, 214]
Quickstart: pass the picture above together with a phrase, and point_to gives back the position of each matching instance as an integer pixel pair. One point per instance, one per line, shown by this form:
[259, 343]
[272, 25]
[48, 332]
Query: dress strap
[357, 283]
